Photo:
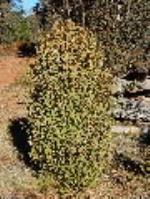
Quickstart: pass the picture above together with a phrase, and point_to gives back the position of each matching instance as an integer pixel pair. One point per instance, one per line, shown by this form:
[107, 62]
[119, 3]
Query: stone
[126, 129]
[133, 110]
[146, 84]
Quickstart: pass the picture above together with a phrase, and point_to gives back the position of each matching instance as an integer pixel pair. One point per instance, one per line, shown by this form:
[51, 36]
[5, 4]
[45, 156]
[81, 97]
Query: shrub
[14, 26]
[68, 109]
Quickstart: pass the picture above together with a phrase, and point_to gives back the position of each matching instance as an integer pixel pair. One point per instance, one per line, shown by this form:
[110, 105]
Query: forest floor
[17, 180]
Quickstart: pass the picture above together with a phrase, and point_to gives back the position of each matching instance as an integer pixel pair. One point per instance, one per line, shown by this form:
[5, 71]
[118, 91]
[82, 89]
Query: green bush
[14, 26]
[69, 105]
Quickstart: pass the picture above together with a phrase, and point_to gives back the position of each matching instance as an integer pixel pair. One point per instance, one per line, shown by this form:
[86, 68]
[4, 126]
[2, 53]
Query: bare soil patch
[11, 68]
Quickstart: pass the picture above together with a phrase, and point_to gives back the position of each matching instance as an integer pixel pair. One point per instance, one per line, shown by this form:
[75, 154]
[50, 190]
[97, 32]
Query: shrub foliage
[69, 105]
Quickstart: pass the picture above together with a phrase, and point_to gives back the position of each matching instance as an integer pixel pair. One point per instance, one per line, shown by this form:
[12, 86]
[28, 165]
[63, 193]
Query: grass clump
[68, 108]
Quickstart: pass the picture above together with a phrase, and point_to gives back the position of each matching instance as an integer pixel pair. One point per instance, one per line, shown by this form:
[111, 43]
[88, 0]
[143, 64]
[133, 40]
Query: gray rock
[133, 110]
[126, 129]
[122, 85]
[119, 85]
[146, 84]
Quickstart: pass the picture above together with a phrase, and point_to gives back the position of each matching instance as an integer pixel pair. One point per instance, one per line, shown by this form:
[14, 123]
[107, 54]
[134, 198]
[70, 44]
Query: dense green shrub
[69, 105]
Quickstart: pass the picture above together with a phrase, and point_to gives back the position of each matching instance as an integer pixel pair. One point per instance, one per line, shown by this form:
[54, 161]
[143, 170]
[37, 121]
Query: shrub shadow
[145, 93]
[19, 129]
[27, 49]
[144, 139]
[138, 74]
[128, 164]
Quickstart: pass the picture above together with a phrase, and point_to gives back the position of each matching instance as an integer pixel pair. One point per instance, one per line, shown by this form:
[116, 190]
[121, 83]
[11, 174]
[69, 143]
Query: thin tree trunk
[67, 8]
[129, 7]
[83, 12]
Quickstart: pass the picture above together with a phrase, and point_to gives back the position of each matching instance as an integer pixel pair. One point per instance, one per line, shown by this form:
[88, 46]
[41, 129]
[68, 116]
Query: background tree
[49, 10]
[14, 26]
[121, 26]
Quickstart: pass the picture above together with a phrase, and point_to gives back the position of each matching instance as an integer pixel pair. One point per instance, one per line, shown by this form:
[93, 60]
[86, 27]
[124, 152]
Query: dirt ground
[11, 68]
[15, 177]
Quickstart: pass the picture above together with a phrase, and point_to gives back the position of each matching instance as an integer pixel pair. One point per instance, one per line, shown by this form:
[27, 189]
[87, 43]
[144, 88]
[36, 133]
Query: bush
[68, 109]
[15, 27]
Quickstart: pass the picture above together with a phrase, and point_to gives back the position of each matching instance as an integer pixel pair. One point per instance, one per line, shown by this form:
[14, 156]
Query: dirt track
[11, 68]
[15, 178]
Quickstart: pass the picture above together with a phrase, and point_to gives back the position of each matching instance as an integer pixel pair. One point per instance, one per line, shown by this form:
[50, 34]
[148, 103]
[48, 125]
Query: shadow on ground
[27, 49]
[19, 129]
[144, 138]
[145, 93]
[140, 165]
[128, 164]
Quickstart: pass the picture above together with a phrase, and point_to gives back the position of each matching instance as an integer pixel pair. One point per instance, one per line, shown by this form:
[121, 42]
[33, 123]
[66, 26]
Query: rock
[118, 86]
[146, 86]
[126, 129]
[132, 110]
[122, 86]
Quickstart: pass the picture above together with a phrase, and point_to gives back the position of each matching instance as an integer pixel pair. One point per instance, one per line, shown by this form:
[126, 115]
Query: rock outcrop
[133, 100]
[133, 110]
